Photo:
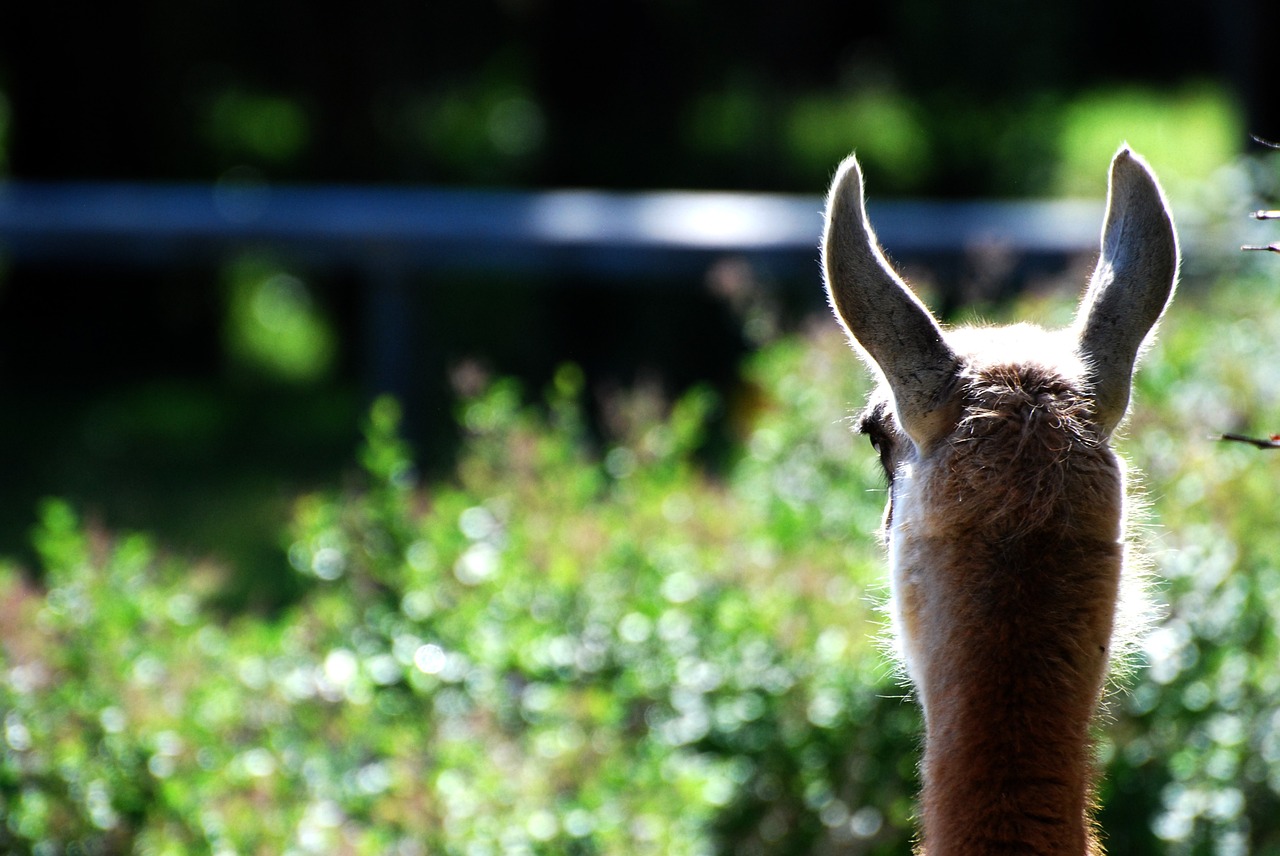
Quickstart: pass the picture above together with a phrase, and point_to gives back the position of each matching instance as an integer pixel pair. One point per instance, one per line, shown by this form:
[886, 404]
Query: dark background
[117, 387]
[133, 92]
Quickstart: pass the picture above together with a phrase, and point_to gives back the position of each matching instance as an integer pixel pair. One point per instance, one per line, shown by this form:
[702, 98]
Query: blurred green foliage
[987, 100]
[273, 329]
[1044, 144]
[1186, 134]
[576, 646]
[268, 128]
[885, 128]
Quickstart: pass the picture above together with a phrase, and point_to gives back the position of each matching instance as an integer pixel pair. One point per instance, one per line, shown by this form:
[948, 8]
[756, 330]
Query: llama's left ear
[1131, 284]
[883, 318]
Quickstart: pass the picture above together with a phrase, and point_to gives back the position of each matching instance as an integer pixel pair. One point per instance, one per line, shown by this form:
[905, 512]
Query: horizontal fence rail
[615, 234]
[388, 234]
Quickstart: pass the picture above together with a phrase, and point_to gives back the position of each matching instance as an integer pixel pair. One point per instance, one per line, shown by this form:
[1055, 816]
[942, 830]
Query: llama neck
[1000, 786]
[1011, 684]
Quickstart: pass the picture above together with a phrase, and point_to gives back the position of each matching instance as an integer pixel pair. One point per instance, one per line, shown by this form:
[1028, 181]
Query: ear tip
[848, 175]
[1129, 162]
[844, 200]
[1131, 174]
[850, 162]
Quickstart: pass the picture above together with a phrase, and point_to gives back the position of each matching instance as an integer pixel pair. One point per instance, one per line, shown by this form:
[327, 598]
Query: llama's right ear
[883, 318]
[1131, 284]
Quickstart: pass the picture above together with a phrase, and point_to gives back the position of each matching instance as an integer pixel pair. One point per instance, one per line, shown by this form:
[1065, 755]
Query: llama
[1005, 518]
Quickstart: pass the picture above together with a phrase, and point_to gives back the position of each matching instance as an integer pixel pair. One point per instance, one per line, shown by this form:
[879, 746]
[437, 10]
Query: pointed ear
[1131, 284]
[883, 318]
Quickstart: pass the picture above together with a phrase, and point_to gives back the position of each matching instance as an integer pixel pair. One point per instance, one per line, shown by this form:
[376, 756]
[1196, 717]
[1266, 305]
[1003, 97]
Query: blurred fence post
[387, 330]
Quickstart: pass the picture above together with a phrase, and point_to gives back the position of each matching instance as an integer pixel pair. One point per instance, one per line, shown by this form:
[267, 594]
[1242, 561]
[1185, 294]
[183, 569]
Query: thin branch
[1272, 442]
[1273, 247]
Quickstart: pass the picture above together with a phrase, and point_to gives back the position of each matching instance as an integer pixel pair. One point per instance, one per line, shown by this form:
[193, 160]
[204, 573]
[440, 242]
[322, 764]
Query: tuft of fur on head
[1025, 436]
[1062, 403]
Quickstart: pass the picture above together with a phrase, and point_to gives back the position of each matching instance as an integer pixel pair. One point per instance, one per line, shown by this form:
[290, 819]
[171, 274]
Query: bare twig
[1272, 442]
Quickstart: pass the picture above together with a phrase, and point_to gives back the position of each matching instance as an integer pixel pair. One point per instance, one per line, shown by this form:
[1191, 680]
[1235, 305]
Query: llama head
[892, 329]
[1005, 513]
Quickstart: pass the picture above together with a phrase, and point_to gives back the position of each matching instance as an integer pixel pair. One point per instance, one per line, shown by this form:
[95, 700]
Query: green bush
[585, 647]
[563, 651]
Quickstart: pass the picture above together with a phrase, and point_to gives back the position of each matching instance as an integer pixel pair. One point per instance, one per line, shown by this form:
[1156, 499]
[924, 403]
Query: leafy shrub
[561, 652]
[576, 648]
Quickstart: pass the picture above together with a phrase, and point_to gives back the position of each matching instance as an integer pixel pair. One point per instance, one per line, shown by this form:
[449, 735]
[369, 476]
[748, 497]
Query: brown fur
[1005, 524]
[1043, 581]
[1015, 607]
